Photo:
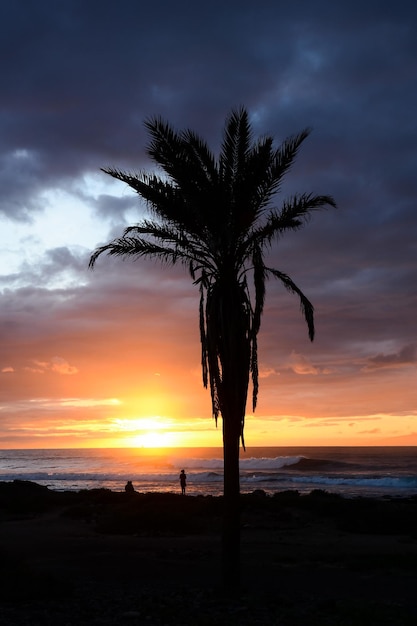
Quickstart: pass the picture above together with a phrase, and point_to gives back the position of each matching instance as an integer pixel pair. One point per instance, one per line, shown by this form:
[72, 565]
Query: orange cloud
[61, 366]
[301, 365]
[266, 372]
[56, 364]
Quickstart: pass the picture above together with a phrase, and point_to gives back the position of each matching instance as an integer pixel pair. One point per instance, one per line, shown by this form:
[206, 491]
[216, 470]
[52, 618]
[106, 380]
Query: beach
[101, 557]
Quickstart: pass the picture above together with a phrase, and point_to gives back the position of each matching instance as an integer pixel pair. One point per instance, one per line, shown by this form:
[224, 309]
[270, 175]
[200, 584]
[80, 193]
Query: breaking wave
[353, 472]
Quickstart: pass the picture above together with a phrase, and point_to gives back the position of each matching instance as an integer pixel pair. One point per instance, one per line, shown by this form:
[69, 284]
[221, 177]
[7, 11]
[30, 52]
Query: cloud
[266, 372]
[405, 357]
[57, 365]
[301, 365]
[61, 366]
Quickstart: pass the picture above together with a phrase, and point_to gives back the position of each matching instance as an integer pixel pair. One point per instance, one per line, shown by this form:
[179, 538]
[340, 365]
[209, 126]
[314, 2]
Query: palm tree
[214, 215]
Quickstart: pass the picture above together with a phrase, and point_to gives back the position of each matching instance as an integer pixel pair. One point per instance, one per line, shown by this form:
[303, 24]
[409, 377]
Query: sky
[111, 357]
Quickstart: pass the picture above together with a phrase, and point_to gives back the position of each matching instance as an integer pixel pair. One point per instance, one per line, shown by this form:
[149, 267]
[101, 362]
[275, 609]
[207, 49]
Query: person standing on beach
[183, 482]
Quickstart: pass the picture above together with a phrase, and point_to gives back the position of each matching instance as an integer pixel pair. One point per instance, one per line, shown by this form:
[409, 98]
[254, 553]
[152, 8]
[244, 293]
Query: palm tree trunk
[234, 352]
[231, 508]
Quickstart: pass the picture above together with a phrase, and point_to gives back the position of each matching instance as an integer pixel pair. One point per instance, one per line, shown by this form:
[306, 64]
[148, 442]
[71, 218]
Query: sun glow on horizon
[118, 422]
[147, 432]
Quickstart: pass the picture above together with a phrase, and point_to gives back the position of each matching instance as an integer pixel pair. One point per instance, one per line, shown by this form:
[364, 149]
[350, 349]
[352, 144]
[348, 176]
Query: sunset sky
[111, 357]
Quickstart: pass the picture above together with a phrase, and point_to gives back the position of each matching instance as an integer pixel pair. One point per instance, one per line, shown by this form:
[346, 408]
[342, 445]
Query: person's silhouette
[183, 482]
[129, 488]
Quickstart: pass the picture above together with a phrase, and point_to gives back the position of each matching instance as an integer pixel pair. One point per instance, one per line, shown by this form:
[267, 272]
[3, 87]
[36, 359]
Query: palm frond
[284, 157]
[199, 152]
[161, 195]
[235, 145]
[249, 187]
[293, 214]
[170, 203]
[166, 146]
[203, 338]
[138, 247]
[184, 156]
[187, 246]
[254, 371]
[307, 308]
[243, 139]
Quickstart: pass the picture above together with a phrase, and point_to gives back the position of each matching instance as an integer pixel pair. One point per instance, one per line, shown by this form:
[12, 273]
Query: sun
[147, 432]
[153, 439]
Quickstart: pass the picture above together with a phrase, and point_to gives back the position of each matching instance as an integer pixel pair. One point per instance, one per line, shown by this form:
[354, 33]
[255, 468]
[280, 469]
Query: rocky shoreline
[103, 557]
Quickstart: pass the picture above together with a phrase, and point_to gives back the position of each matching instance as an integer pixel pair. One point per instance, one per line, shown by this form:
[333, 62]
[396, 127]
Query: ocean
[349, 471]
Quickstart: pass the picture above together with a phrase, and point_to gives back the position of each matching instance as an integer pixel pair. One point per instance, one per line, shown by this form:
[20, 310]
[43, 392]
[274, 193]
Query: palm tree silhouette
[214, 215]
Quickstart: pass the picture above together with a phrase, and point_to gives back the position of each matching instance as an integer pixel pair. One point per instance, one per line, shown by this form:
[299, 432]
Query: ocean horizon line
[219, 447]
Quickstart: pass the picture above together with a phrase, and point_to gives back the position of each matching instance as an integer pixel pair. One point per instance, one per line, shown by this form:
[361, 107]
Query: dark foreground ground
[100, 557]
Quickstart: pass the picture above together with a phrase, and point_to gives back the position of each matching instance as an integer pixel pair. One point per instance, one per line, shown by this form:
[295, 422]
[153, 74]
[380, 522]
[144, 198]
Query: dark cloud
[406, 356]
[79, 79]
